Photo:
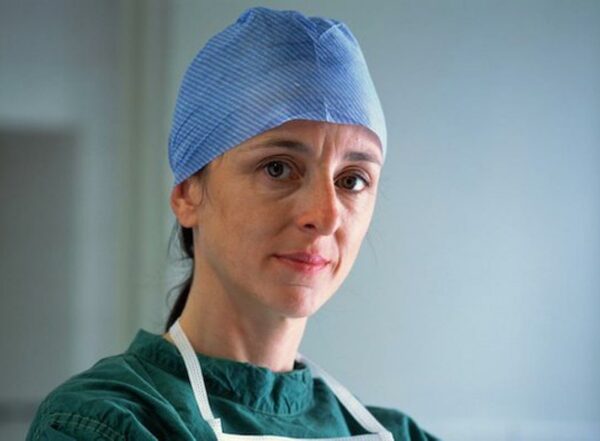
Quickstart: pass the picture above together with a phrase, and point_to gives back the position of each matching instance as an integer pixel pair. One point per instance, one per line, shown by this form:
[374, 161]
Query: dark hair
[185, 237]
[186, 243]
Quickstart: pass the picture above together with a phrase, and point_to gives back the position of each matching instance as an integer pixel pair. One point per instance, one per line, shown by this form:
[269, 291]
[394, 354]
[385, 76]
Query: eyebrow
[354, 155]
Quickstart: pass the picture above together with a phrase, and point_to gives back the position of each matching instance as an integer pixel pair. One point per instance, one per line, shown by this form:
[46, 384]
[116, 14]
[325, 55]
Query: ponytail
[186, 243]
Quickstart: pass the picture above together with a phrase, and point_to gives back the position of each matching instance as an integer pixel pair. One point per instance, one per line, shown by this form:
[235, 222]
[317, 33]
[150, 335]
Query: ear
[185, 199]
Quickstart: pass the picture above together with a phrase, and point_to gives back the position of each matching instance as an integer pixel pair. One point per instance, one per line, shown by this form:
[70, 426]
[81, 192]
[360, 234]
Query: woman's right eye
[278, 169]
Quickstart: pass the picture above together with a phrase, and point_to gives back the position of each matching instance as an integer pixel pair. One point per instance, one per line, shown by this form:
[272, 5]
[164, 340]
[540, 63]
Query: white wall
[58, 76]
[90, 73]
[58, 71]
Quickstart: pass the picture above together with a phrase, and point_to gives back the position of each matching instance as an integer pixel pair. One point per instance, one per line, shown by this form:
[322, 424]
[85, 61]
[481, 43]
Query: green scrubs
[144, 394]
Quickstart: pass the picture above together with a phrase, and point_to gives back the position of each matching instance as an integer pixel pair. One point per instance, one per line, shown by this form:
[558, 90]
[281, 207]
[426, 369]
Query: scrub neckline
[248, 385]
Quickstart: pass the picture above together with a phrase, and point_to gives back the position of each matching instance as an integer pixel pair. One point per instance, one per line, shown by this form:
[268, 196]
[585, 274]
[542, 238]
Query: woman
[277, 145]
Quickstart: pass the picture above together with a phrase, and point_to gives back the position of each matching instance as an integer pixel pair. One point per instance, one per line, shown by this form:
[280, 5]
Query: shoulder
[403, 427]
[109, 401]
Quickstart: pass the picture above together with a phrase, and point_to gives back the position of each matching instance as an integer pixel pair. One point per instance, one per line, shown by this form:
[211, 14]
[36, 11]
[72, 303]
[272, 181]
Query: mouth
[305, 263]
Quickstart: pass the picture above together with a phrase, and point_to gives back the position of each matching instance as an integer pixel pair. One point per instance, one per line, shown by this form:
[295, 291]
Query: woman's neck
[220, 325]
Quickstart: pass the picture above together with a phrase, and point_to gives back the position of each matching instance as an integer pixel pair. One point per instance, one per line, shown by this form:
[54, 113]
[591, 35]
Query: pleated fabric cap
[267, 68]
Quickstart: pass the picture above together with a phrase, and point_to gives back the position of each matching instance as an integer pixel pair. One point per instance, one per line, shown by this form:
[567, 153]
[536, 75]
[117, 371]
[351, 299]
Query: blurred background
[475, 303]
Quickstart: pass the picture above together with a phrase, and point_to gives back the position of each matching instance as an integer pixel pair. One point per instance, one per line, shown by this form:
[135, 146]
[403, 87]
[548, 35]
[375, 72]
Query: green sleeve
[71, 426]
[400, 425]
[51, 434]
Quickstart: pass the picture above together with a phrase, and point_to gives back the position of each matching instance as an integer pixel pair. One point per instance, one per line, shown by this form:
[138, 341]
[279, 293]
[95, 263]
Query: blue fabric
[267, 68]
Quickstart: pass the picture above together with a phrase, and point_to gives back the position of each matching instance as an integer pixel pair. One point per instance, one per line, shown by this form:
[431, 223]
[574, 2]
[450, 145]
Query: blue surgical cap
[267, 68]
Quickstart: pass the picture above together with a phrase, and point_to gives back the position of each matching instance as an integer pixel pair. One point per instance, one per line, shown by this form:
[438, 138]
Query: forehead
[313, 135]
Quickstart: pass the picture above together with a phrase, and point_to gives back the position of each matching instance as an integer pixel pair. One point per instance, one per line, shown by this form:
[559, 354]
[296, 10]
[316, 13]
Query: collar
[259, 388]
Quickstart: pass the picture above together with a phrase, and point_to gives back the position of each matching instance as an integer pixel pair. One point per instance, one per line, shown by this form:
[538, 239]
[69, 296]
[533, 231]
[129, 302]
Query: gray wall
[474, 303]
[59, 91]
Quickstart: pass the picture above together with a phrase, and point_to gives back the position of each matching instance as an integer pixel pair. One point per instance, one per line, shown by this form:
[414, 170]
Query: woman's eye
[278, 169]
[353, 183]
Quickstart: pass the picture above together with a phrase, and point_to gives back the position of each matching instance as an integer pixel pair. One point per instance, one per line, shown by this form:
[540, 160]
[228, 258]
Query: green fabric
[144, 394]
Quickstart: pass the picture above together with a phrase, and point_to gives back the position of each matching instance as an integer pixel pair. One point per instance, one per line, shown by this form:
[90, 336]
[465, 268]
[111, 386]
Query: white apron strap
[356, 409]
[349, 401]
[194, 371]
[368, 437]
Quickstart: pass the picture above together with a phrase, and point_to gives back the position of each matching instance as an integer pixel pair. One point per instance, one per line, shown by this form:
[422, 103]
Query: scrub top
[144, 394]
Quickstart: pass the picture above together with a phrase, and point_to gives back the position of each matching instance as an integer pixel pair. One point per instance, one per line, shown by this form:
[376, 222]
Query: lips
[304, 262]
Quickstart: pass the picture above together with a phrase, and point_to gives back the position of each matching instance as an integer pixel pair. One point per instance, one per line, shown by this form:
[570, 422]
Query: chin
[300, 303]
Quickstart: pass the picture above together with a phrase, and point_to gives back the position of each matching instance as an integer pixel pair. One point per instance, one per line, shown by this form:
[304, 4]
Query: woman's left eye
[278, 169]
[353, 183]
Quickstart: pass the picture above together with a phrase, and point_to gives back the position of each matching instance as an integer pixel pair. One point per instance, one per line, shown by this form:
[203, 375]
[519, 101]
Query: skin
[303, 186]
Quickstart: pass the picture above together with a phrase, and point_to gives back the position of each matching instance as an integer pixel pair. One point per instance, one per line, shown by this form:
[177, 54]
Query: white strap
[194, 371]
[356, 409]
[367, 437]
[349, 401]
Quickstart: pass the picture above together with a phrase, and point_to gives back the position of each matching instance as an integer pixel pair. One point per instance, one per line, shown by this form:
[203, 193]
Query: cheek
[247, 221]
[365, 221]
[358, 225]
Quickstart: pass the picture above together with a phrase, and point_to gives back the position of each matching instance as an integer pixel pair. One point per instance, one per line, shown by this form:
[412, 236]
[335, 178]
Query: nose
[320, 210]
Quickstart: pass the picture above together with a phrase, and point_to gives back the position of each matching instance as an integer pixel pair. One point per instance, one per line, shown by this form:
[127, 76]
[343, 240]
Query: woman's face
[283, 215]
